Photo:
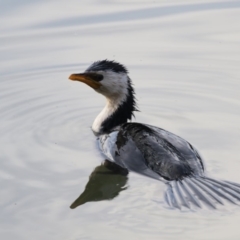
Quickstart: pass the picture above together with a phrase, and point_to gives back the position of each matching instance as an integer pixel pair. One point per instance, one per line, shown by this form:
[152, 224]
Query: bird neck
[118, 110]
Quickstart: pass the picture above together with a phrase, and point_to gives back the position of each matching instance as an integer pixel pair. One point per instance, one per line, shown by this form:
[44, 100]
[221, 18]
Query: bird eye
[99, 77]
[95, 76]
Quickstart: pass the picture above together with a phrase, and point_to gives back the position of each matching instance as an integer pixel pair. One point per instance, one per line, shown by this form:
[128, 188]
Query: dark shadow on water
[105, 183]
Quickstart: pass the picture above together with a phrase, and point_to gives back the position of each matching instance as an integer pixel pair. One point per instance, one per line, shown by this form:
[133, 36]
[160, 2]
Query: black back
[166, 154]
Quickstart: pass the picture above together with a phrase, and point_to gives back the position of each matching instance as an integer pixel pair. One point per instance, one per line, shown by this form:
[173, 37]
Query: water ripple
[139, 14]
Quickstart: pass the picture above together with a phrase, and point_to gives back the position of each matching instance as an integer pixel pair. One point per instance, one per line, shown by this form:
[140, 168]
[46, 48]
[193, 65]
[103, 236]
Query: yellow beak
[87, 78]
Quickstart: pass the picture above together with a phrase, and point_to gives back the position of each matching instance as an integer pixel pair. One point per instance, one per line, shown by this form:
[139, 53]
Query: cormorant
[147, 149]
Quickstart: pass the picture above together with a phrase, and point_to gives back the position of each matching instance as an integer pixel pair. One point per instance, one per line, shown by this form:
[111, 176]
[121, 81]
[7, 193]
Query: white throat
[111, 106]
[114, 87]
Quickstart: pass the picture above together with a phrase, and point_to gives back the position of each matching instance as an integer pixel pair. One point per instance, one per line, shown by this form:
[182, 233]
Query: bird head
[109, 78]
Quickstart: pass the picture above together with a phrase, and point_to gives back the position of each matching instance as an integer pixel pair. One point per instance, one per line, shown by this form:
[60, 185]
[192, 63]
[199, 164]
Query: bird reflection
[105, 183]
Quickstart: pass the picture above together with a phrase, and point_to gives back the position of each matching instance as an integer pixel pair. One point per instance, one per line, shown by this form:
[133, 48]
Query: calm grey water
[183, 57]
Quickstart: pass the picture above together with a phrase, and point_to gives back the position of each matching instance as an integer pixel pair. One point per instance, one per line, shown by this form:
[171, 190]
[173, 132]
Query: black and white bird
[149, 150]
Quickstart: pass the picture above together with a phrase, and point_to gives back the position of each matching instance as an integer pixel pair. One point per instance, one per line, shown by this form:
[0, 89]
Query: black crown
[107, 65]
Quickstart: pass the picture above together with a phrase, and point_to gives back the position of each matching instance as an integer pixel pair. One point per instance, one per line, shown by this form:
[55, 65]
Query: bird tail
[201, 192]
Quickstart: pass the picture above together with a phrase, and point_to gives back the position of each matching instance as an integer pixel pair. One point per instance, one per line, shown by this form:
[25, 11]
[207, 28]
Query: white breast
[106, 144]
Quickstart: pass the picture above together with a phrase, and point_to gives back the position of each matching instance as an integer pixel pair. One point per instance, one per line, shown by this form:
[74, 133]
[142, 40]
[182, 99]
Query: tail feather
[183, 196]
[208, 191]
[234, 184]
[218, 192]
[199, 192]
[224, 187]
[226, 184]
[202, 191]
[171, 199]
[180, 198]
[190, 195]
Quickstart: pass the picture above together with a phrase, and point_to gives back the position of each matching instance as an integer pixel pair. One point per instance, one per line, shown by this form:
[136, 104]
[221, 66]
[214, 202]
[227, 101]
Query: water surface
[183, 57]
